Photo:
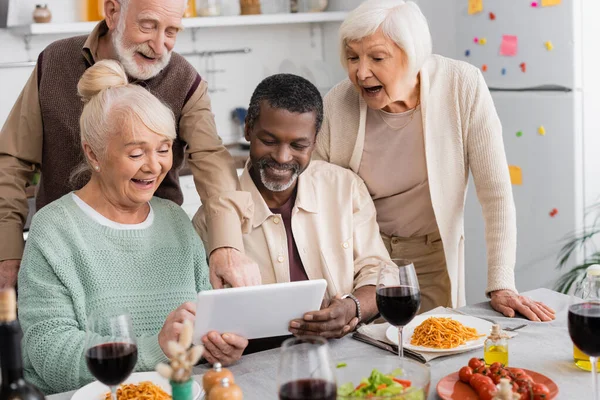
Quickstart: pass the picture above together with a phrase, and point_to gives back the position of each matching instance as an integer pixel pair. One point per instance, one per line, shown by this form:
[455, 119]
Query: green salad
[381, 385]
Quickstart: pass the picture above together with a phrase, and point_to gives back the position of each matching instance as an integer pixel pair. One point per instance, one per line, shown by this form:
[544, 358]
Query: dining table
[543, 347]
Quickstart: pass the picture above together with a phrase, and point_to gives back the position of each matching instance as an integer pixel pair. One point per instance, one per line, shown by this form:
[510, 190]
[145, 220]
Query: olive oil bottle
[496, 347]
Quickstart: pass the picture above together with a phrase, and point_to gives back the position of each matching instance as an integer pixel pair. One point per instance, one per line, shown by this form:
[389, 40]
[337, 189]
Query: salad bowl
[381, 378]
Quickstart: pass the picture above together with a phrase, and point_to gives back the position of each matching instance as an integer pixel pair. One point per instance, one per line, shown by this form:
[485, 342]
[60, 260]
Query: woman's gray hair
[401, 21]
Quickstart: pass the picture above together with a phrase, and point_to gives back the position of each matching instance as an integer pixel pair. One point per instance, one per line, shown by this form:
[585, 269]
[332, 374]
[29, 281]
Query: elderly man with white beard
[42, 132]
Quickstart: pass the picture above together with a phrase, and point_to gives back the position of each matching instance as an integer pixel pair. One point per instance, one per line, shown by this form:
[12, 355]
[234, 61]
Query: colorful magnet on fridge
[467, 53]
[484, 67]
[523, 67]
[503, 71]
[482, 41]
[534, 4]
[492, 16]
[519, 134]
[549, 45]
[553, 212]
[542, 130]
[516, 175]
[476, 40]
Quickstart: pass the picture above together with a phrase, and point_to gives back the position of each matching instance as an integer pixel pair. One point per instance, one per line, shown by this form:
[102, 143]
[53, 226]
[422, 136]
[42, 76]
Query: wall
[296, 49]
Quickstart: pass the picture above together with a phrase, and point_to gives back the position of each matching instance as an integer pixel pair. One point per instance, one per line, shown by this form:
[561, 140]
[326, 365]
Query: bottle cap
[217, 366]
[495, 330]
[8, 305]
[593, 270]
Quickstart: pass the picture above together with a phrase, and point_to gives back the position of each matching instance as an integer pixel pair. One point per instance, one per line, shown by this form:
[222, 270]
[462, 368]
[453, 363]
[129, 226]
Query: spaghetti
[442, 333]
[141, 391]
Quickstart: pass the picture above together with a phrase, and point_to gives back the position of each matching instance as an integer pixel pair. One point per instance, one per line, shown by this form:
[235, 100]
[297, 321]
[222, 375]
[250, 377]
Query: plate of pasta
[139, 386]
[442, 333]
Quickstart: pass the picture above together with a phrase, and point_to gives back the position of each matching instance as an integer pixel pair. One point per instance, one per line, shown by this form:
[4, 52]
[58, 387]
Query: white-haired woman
[112, 244]
[413, 125]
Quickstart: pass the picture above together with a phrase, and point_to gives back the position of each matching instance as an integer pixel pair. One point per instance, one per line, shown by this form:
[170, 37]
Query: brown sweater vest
[60, 66]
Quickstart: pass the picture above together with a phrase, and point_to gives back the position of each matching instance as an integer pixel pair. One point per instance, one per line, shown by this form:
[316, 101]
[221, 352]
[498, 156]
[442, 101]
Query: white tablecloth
[543, 347]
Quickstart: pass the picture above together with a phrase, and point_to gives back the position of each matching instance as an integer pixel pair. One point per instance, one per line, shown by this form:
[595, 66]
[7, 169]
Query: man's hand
[9, 270]
[333, 321]
[507, 302]
[226, 348]
[173, 326]
[228, 265]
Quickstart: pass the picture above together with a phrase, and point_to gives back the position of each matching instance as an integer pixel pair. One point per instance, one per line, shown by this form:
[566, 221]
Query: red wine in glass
[305, 370]
[111, 363]
[308, 389]
[398, 295]
[398, 305]
[111, 352]
[584, 329]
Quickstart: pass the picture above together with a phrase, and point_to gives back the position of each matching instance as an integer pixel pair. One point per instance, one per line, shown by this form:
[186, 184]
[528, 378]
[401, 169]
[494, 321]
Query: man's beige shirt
[334, 225]
[211, 164]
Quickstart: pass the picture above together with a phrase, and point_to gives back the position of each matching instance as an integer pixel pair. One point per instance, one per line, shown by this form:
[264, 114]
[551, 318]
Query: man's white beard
[126, 56]
[275, 186]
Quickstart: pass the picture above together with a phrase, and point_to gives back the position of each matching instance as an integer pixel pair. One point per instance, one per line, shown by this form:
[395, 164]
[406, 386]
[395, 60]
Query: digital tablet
[256, 311]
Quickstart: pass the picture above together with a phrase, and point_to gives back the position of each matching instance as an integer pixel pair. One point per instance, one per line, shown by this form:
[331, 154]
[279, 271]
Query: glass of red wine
[305, 370]
[584, 326]
[111, 350]
[398, 295]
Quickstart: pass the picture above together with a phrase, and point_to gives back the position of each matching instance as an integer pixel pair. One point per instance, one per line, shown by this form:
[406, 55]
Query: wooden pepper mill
[214, 377]
[226, 390]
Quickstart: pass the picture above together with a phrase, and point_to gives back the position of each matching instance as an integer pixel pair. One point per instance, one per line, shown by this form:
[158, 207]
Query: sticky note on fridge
[475, 6]
[547, 3]
[516, 176]
[509, 45]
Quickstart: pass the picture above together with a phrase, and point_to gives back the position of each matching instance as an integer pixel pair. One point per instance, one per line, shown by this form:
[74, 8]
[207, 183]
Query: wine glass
[398, 295]
[584, 327]
[111, 351]
[305, 370]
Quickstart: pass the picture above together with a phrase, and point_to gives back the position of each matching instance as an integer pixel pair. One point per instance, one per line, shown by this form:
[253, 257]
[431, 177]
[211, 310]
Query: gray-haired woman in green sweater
[112, 244]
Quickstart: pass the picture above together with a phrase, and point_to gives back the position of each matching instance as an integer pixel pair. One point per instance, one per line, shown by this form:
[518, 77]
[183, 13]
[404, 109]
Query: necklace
[399, 128]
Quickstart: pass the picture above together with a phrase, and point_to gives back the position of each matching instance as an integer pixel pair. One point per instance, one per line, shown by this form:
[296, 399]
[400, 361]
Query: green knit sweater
[73, 266]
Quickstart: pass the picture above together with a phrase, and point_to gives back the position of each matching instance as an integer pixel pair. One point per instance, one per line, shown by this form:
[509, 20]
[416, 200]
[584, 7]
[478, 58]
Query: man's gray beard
[126, 56]
[274, 186]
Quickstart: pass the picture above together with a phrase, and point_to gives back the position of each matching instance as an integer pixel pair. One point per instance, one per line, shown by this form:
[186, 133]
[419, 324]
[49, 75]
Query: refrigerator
[531, 60]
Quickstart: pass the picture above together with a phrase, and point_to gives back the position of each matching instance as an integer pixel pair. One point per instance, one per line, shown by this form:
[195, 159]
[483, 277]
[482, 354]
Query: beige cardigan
[462, 132]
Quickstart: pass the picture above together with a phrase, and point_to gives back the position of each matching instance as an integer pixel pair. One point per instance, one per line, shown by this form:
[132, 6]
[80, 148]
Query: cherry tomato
[540, 391]
[515, 387]
[496, 377]
[483, 370]
[475, 362]
[487, 392]
[479, 380]
[525, 378]
[525, 390]
[476, 381]
[496, 366]
[525, 395]
[504, 373]
[465, 374]
[517, 372]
